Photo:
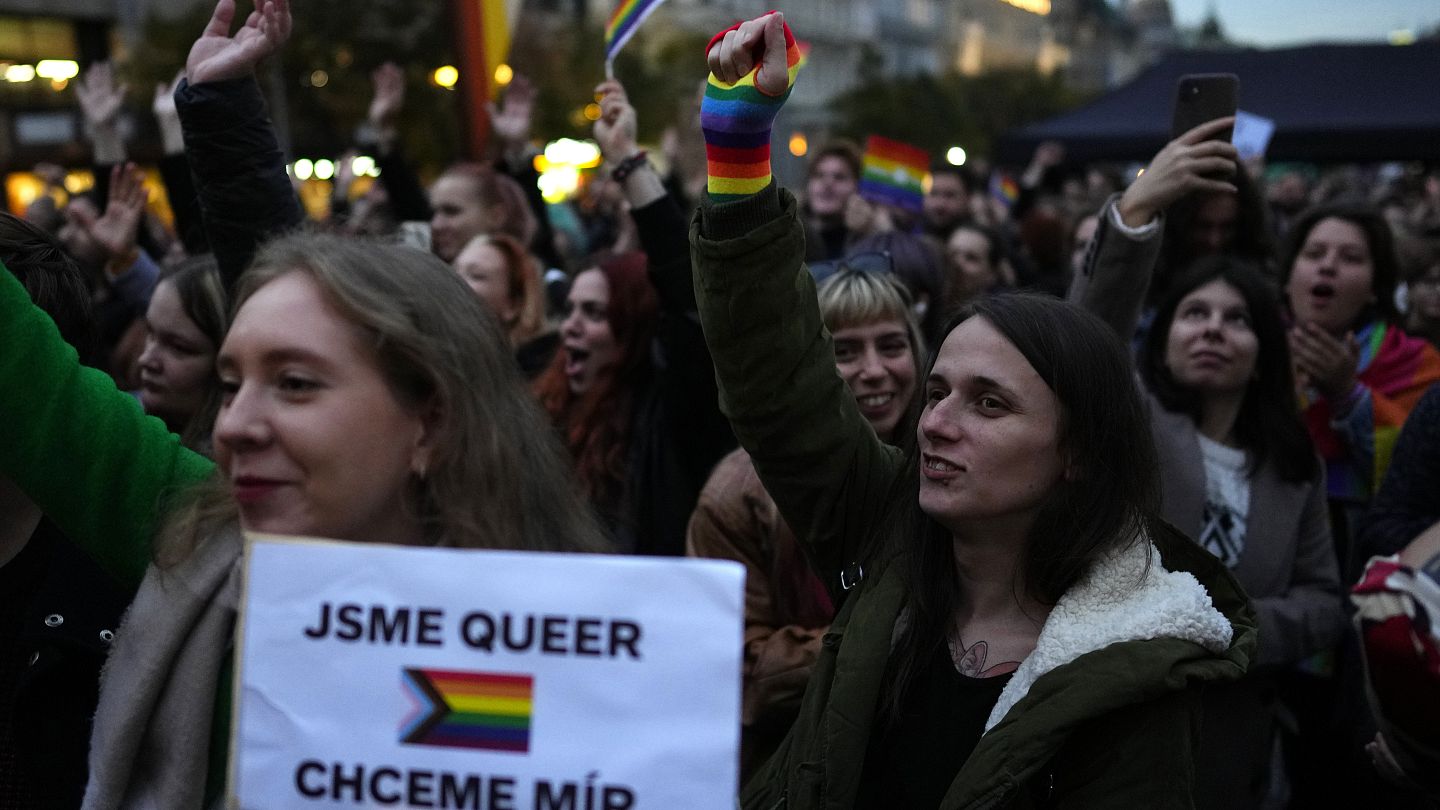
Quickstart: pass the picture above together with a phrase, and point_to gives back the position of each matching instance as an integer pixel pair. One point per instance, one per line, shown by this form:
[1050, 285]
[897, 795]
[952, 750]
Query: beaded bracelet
[627, 166]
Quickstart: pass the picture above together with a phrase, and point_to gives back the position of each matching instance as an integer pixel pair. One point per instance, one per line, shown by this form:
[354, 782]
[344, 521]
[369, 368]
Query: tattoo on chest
[970, 661]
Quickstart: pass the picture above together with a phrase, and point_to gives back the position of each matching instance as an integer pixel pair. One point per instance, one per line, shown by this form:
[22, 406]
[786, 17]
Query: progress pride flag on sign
[373, 675]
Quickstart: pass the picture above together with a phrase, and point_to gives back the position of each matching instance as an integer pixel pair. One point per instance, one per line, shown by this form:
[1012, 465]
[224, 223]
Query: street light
[955, 156]
[446, 76]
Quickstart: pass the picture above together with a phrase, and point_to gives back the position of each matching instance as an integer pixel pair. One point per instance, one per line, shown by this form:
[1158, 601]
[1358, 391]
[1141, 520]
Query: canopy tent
[1329, 103]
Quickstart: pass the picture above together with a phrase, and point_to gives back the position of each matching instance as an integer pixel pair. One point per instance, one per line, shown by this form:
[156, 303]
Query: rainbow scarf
[894, 173]
[1397, 368]
[624, 22]
[736, 120]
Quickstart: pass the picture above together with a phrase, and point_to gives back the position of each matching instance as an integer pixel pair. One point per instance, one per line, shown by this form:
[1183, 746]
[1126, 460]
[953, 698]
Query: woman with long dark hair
[1241, 477]
[1018, 626]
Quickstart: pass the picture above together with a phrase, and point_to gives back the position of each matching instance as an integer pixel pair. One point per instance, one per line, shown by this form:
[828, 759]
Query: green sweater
[89, 457]
[1111, 728]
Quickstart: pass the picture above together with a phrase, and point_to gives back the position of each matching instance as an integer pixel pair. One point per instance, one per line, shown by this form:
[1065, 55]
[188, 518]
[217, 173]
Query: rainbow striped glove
[736, 120]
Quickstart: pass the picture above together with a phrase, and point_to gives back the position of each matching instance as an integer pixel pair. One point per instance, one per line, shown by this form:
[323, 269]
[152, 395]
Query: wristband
[626, 167]
[736, 120]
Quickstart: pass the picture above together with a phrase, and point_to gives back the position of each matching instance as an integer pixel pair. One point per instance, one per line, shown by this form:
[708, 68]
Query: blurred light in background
[592, 112]
[560, 166]
[503, 74]
[799, 144]
[319, 78]
[59, 70]
[19, 73]
[1403, 36]
[955, 156]
[304, 169]
[362, 166]
[446, 76]
[324, 169]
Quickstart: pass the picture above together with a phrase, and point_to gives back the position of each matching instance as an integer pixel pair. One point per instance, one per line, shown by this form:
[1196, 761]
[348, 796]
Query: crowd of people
[1106, 495]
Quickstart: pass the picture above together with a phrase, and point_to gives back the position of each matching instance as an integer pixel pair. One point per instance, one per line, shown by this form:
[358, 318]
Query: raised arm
[79, 448]
[245, 195]
[1122, 257]
[402, 186]
[175, 169]
[773, 358]
[699, 431]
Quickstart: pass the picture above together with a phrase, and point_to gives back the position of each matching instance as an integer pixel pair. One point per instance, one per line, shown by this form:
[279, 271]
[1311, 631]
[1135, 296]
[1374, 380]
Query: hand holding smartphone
[1201, 97]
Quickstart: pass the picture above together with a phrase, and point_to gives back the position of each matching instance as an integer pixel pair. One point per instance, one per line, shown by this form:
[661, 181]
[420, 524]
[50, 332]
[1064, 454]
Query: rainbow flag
[894, 173]
[483, 710]
[624, 22]
[1398, 369]
[1003, 188]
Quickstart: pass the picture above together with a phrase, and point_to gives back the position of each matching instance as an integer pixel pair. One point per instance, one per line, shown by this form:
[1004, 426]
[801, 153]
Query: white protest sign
[373, 675]
[1252, 134]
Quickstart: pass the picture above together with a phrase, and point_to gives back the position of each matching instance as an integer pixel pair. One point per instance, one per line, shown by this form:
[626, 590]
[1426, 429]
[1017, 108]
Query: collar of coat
[1126, 596]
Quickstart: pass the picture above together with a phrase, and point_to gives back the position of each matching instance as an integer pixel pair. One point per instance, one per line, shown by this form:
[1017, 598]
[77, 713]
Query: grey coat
[1288, 567]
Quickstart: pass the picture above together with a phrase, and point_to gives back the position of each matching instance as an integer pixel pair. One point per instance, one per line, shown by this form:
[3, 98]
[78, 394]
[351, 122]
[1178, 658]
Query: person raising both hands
[1018, 626]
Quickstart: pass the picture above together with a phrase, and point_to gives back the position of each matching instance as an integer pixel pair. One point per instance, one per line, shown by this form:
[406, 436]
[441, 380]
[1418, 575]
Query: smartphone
[1201, 97]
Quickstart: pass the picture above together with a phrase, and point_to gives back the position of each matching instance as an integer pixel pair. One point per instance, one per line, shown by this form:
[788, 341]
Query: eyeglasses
[871, 261]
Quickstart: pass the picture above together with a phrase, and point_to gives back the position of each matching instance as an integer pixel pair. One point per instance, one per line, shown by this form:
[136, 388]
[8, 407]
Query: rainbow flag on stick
[894, 173]
[624, 22]
[483, 710]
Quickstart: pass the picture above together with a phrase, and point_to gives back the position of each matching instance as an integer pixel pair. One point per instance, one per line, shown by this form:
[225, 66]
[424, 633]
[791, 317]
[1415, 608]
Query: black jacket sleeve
[402, 186]
[180, 189]
[244, 193]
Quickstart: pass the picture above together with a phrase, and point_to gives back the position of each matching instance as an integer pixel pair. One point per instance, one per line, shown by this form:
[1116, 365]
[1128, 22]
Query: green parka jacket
[1102, 714]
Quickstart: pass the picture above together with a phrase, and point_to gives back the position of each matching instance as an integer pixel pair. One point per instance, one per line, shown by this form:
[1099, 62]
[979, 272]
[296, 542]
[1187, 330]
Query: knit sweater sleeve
[82, 450]
[736, 120]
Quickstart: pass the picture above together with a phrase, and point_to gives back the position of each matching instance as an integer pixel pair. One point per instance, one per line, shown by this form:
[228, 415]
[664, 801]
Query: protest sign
[373, 675]
[1252, 134]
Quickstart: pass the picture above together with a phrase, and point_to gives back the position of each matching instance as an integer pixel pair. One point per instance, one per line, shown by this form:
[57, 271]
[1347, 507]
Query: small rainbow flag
[624, 22]
[484, 710]
[894, 173]
[1003, 188]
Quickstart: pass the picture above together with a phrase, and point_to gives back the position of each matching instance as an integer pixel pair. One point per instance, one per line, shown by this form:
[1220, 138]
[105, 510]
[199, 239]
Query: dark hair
[967, 180]
[917, 264]
[53, 279]
[1382, 253]
[1105, 506]
[839, 148]
[1268, 424]
[996, 253]
[1252, 241]
[202, 297]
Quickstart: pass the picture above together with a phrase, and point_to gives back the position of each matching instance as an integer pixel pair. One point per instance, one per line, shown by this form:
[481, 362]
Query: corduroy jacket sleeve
[817, 456]
[78, 447]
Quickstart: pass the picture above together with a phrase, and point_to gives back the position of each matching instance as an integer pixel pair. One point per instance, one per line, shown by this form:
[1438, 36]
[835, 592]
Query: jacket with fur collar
[1103, 712]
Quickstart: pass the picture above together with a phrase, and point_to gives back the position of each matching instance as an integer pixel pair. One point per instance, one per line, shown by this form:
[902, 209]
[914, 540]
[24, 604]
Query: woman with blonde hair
[878, 347]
